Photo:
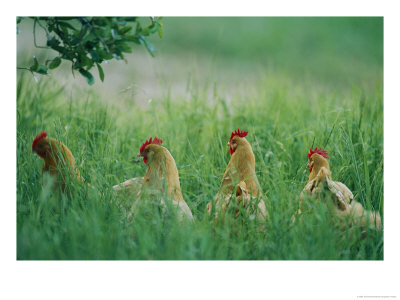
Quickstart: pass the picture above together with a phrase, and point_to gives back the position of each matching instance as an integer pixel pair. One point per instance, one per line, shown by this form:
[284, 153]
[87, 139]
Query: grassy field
[327, 92]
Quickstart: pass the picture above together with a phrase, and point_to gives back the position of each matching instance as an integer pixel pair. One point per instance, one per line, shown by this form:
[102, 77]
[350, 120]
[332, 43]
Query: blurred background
[232, 54]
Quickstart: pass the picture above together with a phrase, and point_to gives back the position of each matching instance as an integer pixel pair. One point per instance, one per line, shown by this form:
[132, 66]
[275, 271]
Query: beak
[138, 160]
[229, 144]
[310, 164]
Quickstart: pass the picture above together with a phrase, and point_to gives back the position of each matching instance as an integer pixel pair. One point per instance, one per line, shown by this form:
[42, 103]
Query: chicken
[58, 159]
[320, 184]
[161, 178]
[239, 175]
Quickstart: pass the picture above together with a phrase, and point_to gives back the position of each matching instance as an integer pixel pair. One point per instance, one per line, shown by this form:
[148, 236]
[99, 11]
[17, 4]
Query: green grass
[89, 224]
[285, 114]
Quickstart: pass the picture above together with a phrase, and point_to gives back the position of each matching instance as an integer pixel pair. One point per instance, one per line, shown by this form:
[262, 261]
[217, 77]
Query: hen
[58, 159]
[320, 184]
[161, 178]
[240, 178]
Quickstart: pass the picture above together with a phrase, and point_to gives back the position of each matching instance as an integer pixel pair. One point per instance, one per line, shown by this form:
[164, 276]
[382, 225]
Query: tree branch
[34, 34]
[88, 24]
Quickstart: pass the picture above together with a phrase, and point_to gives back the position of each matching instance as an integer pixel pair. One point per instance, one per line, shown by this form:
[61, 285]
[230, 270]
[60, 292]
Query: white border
[198, 280]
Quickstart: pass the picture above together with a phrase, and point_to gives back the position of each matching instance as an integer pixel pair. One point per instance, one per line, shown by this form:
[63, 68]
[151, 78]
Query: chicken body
[160, 180]
[320, 184]
[58, 159]
[240, 177]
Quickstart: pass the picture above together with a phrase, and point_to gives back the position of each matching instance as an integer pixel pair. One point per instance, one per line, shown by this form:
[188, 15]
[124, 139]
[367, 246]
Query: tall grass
[284, 119]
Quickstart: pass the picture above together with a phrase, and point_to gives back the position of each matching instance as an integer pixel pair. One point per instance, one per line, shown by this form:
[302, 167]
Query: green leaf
[160, 30]
[149, 46]
[138, 28]
[38, 68]
[121, 21]
[82, 33]
[132, 38]
[89, 77]
[100, 21]
[103, 54]
[55, 63]
[66, 24]
[95, 56]
[130, 19]
[53, 42]
[101, 72]
[35, 65]
[124, 30]
[154, 27]
[89, 38]
[79, 35]
[84, 61]
[42, 70]
[123, 47]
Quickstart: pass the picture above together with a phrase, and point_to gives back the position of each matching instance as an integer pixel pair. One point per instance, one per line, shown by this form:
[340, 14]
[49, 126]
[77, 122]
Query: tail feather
[241, 200]
[362, 217]
[130, 184]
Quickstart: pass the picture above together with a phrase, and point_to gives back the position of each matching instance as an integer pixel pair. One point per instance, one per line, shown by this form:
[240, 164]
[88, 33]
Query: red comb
[40, 136]
[239, 133]
[319, 151]
[156, 141]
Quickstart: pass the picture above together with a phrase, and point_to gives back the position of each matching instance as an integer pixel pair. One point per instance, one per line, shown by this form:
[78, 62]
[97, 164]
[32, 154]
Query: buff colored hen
[161, 179]
[320, 184]
[59, 162]
[239, 181]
